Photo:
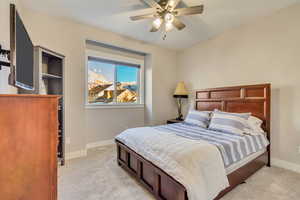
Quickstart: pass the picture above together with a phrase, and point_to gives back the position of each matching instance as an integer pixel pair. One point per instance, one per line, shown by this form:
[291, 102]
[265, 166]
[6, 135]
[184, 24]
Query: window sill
[116, 106]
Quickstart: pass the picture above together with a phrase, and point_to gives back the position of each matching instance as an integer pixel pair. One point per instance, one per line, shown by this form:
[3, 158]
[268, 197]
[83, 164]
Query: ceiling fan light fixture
[169, 17]
[157, 22]
[169, 26]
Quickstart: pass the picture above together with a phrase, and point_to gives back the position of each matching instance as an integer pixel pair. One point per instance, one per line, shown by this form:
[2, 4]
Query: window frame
[121, 59]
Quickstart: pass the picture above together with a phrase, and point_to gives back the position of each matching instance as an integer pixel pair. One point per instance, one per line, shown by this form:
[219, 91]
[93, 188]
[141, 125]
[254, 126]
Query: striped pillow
[199, 118]
[229, 122]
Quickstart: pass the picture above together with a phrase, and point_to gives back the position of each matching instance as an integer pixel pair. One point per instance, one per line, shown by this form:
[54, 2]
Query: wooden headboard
[239, 99]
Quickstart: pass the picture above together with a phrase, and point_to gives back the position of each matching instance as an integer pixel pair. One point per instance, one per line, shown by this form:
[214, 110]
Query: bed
[164, 185]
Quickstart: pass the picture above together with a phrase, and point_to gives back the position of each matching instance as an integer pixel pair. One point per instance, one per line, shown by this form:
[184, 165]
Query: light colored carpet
[98, 177]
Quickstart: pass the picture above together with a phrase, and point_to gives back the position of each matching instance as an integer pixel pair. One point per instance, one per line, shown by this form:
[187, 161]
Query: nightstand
[172, 121]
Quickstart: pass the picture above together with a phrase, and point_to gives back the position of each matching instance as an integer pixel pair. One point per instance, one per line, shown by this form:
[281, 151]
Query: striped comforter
[233, 147]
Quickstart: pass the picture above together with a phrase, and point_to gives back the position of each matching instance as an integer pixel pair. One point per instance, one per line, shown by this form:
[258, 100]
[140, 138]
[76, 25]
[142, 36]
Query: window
[114, 80]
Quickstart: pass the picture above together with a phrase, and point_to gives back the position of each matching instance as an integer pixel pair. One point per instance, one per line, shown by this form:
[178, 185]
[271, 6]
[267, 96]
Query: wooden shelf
[45, 75]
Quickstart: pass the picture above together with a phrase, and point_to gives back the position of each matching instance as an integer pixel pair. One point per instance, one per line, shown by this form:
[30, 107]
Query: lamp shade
[181, 90]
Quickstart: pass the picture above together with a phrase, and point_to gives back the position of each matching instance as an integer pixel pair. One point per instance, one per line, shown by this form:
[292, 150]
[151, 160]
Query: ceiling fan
[166, 13]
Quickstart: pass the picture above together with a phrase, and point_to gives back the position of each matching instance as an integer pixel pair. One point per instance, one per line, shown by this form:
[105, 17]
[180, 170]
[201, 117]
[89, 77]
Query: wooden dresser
[28, 146]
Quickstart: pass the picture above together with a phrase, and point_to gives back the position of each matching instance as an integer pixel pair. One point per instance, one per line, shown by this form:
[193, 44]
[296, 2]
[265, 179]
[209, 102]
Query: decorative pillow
[229, 122]
[254, 126]
[199, 118]
[255, 120]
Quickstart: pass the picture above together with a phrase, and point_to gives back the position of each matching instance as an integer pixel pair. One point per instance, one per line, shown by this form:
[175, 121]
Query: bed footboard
[159, 183]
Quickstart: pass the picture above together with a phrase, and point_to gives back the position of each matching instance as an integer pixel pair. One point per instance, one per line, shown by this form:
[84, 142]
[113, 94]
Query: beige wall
[92, 125]
[267, 50]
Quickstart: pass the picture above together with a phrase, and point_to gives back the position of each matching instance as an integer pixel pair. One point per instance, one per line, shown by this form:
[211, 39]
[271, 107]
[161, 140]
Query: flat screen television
[22, 50]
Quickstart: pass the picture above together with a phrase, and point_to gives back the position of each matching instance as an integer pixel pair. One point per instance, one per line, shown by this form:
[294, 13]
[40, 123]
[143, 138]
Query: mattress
[244, 161]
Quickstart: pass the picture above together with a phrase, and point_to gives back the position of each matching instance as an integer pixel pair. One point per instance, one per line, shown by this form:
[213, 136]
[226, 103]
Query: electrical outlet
[68, 140]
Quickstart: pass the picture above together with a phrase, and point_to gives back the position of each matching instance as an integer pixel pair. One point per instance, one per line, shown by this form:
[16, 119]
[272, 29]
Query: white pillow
[199, 118]
[255, 120]
[254, 126]
[234, 123]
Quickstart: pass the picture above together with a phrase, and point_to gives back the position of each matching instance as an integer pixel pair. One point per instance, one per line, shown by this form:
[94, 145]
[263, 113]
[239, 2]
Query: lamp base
[180, 118]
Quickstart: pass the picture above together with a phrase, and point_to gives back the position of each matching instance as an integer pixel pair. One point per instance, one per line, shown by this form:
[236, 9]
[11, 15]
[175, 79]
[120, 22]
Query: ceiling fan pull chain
[165, 36]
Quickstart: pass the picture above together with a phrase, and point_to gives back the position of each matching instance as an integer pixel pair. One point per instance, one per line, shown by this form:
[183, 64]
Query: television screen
[23, 49]
[24, 56]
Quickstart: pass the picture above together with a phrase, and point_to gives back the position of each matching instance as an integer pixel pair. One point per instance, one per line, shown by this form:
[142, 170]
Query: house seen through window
[112, 82]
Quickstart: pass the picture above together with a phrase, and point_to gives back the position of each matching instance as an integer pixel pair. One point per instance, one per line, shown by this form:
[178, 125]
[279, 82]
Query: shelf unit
[49, 80]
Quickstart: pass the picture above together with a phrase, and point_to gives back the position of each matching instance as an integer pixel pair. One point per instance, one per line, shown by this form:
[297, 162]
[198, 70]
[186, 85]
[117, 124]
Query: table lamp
[180, 93]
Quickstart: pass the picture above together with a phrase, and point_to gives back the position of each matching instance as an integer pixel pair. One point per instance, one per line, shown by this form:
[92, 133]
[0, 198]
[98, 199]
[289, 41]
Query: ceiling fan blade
[139, 17]
[189, 11]
[178, 24]
[173, 4]
[152, 4]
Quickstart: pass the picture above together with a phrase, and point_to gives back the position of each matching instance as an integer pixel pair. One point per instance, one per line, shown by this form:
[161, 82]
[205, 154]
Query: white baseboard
[285, 165]
[100, 144]
[76, 154]
[83, 152]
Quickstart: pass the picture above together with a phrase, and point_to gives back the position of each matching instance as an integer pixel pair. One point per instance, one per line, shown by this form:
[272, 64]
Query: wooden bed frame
[249, 98]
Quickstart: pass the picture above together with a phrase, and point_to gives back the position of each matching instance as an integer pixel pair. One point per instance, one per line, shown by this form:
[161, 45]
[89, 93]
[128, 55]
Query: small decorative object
[4, 57]
[43, 87]
[179, 94]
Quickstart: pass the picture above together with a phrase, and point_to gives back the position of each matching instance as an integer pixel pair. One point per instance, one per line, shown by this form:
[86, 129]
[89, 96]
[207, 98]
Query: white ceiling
[113, 15]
